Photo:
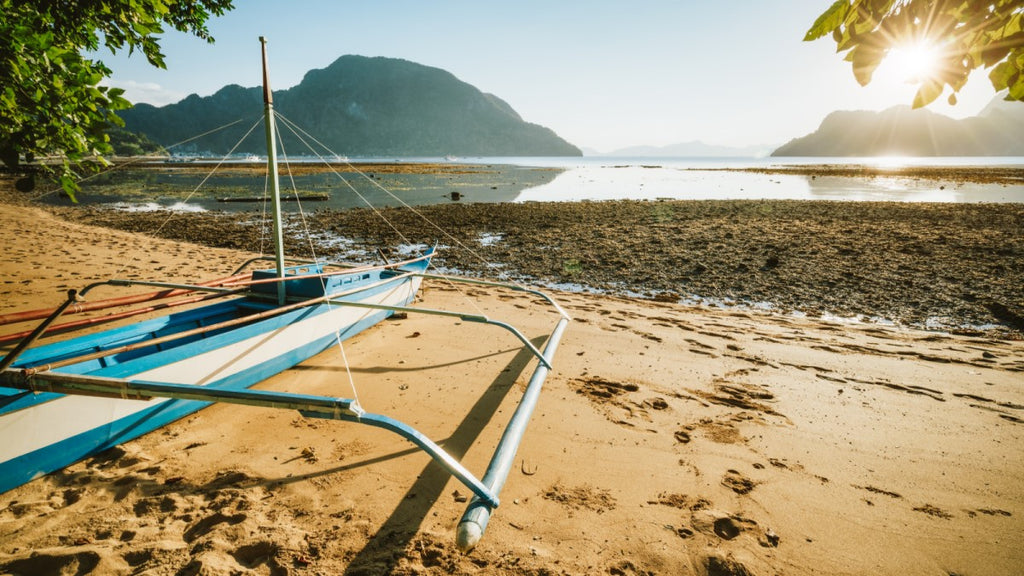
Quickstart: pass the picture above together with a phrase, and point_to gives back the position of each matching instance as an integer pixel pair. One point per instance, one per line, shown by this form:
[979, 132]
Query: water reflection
[651, 182]
[196, 190]
[543, 179]
[908, 190]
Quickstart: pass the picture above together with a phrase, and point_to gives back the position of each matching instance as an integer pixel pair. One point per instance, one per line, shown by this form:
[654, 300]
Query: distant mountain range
[692, 149]
[358, 106]
[900, 131]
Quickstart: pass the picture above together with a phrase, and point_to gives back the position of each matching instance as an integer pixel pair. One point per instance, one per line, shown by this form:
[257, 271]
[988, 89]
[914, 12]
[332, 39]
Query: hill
[997, 131]
[359, 106]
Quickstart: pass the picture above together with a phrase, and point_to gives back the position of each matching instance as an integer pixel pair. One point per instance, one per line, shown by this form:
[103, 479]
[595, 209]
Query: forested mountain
[358, 106]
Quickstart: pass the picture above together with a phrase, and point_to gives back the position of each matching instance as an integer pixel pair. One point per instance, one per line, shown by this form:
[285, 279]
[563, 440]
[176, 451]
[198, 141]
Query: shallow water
[718, 179]
[552, 179]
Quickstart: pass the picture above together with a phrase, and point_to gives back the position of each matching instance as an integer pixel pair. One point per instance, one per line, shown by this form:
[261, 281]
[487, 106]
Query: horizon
[603, 76]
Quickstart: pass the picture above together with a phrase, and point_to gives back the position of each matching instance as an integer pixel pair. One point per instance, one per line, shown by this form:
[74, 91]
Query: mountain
[997, 131]
[359, 106]
[695, 148]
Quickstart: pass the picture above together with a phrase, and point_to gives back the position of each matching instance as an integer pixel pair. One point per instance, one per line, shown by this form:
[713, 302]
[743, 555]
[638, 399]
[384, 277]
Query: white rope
[294, 128]
[223, 159]
[124, 165]
[404, 204]
[323, 280]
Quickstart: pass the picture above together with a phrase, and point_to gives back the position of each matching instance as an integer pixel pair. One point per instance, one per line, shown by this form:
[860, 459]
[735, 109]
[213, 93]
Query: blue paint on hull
[26, 467]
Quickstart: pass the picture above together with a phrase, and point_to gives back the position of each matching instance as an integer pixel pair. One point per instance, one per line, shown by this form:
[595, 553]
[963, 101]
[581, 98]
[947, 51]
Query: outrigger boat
[63, 401]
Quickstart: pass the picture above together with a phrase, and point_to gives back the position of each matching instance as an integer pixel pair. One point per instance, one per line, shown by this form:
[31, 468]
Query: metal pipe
[141, 390]
[506, 285]
[204, 329]
[10, 358]
[345, 409]
[464, 317]
[117, 316]
[114, 302]
[474, 521]
[446, 460]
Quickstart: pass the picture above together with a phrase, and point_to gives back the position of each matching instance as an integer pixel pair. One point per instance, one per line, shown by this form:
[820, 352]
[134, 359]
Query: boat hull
[44, 432]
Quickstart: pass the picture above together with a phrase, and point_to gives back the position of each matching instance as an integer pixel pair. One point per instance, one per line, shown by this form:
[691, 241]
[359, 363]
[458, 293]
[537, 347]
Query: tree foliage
[52, 102]
[966, 35]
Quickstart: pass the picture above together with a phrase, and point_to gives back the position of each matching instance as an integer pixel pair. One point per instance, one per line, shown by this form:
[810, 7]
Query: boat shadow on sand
[390, 543]
[234, 499]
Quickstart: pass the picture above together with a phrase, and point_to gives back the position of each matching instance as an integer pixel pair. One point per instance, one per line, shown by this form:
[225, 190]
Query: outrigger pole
[478, 513]
[485, 490]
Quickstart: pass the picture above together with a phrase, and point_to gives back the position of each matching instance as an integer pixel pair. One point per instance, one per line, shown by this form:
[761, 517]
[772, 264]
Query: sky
[604, 75]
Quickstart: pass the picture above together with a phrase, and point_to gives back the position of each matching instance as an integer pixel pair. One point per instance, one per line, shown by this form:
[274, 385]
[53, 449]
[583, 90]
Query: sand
[669, 439]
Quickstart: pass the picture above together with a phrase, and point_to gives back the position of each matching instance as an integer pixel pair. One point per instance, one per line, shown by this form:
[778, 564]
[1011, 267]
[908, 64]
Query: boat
[68, 399]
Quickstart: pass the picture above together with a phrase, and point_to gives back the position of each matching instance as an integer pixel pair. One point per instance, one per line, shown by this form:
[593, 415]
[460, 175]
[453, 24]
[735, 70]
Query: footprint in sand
[737, 482]
[78, 562]
[206, 525]
[586, 497]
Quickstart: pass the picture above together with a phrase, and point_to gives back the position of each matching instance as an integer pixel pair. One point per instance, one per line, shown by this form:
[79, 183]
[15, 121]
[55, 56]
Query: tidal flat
[934, 265]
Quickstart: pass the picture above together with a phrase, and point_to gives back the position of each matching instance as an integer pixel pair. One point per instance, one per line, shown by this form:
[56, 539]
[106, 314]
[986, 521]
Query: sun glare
[915, 63]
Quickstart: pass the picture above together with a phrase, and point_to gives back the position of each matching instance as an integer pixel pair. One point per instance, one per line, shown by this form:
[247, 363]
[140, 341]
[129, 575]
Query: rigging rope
[294, 128]
[143, 159]
[312, 251]
[223, 159]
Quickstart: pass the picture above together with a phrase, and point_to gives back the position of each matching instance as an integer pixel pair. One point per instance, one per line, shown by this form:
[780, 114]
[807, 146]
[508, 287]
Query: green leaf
[1002, 75]
[927, 93]
[829, 20]
[67, 182]
[51, 100]
[865, 59]
[1016, 88]
[972, 34]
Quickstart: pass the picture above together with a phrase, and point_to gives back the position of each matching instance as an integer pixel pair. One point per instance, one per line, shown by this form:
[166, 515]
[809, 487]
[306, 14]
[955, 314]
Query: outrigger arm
[486, 490]
[308, 405]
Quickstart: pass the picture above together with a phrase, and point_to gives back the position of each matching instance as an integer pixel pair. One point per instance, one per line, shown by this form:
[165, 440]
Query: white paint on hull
[25, 431]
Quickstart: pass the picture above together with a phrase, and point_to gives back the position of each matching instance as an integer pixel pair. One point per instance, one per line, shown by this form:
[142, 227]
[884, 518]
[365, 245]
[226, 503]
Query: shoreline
[954, 267]
[939, 266]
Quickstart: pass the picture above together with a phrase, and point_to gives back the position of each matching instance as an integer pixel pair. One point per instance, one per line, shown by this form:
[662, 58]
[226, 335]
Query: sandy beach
[671, 438]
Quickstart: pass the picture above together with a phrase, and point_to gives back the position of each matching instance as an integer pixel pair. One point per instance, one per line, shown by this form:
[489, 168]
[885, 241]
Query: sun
[915, 62]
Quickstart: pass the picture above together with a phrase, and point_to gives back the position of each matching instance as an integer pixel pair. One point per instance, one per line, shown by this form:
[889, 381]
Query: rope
[312, 251]
[294, 129]
[131, 162]
[198, 186]
[404, 204]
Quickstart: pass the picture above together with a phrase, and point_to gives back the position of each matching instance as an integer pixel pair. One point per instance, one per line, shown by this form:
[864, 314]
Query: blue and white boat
[63, 401]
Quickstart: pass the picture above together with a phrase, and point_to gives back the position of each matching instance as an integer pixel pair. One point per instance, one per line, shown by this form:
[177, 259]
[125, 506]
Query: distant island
[694, 149]
[357, 106]
[900, 131]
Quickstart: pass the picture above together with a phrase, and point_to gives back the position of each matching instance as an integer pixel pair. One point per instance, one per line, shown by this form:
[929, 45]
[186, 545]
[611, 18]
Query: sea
[573, 179]
[610, 178]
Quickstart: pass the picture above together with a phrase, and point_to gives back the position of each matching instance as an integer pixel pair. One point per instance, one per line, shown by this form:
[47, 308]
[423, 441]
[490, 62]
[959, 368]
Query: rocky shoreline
[958, 267]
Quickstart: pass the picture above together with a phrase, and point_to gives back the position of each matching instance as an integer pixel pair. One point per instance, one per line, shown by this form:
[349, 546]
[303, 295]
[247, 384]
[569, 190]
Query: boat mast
[268, 120]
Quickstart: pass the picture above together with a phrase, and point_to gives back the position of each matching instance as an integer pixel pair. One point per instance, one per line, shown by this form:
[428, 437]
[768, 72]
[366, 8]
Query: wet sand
[670, 438]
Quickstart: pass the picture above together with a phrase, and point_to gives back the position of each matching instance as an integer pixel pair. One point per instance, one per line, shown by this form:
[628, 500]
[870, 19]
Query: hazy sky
[602, 74]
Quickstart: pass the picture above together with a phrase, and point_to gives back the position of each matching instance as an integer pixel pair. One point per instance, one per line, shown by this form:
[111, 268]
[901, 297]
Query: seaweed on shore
[927, 265]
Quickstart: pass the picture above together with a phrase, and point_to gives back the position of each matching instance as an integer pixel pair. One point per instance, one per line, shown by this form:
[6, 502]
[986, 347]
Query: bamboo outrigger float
[63, 401]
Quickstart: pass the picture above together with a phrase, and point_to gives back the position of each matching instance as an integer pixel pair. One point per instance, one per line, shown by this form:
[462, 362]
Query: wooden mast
[268, 120]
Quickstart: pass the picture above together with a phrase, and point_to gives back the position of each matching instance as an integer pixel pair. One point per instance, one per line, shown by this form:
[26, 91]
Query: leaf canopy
[52, 103]
[967, 34]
